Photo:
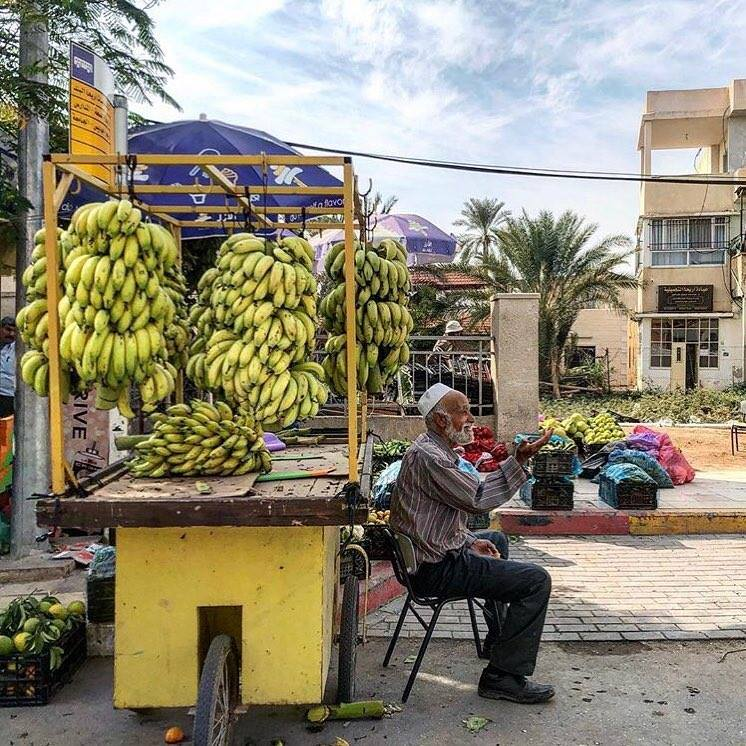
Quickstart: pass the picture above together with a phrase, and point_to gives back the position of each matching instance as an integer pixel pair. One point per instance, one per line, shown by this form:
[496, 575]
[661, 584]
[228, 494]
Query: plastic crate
[375, 543]
[100, 600]
[351, 562]
[26, 680]
[553, 463]
[478, 522]
[549, 494]
[628, 495]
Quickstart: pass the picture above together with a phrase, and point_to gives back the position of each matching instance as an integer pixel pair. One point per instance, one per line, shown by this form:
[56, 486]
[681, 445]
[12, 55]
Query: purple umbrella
[424, 241]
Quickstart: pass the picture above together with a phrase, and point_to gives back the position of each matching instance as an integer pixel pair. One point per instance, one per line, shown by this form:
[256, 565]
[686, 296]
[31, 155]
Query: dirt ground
[708, 449]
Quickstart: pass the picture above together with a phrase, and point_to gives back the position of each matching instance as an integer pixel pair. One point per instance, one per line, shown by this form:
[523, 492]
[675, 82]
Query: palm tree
[480, 219]
[382, 205]
[554, 257]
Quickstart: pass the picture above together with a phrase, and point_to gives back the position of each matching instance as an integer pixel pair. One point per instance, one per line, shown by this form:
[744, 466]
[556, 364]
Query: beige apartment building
[688, 326]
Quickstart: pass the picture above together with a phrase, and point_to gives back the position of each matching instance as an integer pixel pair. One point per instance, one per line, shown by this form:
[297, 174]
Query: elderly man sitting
[430, 505]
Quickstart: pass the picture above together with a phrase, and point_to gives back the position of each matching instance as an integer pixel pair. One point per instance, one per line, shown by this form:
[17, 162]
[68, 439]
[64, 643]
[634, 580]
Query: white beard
[461, 437]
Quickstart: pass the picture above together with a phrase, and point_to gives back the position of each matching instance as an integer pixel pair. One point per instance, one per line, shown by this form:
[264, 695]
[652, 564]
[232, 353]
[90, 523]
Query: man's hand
[485, 548]
[526, 450]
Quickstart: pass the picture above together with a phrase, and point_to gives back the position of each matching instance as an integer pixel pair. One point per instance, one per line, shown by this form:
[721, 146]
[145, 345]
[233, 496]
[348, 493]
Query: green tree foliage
[480, 220]
[556, 258]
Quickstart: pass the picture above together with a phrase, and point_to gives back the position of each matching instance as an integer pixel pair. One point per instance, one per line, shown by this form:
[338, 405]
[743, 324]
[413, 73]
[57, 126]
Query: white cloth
[432, 396]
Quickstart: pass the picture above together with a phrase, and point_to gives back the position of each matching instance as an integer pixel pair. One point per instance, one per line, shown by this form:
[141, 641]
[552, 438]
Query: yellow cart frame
[59, 170]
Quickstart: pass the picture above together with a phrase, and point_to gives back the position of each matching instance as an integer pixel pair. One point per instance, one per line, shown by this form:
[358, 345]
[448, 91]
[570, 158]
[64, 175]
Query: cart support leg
[56, 447]
[349, 217]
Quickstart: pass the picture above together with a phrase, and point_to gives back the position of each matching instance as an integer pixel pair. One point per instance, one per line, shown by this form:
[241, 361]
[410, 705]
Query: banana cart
[224, 599]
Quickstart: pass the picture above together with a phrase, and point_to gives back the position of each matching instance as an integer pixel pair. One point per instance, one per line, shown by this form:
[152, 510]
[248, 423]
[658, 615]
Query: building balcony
[669, 200]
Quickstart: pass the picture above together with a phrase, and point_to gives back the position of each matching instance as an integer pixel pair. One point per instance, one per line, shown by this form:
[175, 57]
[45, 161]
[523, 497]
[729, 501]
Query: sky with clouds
[553, 84]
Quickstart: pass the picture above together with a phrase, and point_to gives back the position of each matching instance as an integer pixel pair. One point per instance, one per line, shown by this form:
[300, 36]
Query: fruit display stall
[234, 575]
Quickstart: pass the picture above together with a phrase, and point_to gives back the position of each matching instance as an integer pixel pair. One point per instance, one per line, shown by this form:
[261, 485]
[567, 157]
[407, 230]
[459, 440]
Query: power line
[519, 171]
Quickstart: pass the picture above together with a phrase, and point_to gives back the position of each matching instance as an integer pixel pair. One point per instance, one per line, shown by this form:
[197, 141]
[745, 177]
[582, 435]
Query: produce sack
[627, 473]
[384, 487]
[669, 457]
[643, 439]
[673, 461]
[645, 461]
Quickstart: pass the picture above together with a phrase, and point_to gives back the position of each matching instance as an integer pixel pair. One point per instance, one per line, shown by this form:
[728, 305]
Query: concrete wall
[515, 342]
[605, 329]
[652, 277]
[668, 200]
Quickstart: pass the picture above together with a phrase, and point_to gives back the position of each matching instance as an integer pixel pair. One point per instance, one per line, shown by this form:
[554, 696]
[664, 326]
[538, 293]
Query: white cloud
[525, 82]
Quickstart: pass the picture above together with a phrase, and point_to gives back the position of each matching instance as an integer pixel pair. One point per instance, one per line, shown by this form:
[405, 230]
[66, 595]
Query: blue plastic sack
[627, 473]
[645, 461]
[384, 486]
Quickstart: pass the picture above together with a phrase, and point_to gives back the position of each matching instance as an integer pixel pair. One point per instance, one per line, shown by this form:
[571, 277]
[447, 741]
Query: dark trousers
[525, 587]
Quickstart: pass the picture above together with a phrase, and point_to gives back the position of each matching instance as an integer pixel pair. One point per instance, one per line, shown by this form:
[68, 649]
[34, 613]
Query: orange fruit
[174, 735]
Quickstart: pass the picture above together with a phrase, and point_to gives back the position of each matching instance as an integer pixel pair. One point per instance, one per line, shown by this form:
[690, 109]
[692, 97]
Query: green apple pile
[603, 428]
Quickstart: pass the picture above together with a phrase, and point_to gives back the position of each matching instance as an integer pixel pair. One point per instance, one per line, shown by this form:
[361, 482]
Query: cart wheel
[348, 641]
[218, 694]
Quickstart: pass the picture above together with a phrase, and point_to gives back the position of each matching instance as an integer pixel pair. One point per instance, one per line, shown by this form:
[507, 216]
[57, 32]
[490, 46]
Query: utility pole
[31, 428]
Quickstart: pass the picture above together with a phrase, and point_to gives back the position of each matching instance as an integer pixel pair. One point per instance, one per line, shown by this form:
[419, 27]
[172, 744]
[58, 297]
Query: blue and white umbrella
[211, 137]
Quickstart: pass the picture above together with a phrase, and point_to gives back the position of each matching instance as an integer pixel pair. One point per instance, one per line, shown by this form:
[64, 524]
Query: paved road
[623, 588]
[609, 694]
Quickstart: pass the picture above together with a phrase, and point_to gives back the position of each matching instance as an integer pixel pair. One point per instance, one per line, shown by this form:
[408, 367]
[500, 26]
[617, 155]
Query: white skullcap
[432, 396]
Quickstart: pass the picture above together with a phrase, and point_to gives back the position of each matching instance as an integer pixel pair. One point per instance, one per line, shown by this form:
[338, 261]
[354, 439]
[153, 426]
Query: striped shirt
[432, 497]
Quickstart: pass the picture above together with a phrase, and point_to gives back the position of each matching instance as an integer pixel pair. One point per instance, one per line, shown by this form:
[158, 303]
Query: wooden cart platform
[121, 501]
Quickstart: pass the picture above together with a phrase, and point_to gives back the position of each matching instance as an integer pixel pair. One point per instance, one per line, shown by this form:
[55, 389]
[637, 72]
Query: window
[705, 333]
[582, 355]
[687, 241]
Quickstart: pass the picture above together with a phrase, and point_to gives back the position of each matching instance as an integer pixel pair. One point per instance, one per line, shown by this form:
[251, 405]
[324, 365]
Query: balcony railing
[467, 368]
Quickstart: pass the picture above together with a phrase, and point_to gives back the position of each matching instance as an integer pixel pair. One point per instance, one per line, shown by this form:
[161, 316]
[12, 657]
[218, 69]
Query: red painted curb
[563, 522]
[383, 586]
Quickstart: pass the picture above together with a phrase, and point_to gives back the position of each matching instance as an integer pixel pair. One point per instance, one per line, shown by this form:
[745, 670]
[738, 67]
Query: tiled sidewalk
[622, 588]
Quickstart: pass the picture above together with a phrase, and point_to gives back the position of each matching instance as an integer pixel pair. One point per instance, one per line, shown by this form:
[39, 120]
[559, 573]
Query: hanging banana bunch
[120, 286]
[383, 320]
[32, 320]
[256, 322]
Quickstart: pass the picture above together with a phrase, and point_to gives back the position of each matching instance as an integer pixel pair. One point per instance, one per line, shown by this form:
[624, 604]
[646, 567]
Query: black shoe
[513, 688]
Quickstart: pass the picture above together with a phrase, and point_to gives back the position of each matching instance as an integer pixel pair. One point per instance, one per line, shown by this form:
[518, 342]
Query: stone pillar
[515, 363]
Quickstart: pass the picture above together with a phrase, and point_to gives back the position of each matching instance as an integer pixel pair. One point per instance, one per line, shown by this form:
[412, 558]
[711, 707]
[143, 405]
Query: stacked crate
[551, 486]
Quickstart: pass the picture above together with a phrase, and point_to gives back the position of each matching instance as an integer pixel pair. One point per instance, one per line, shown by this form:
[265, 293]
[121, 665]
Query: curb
[619, 523]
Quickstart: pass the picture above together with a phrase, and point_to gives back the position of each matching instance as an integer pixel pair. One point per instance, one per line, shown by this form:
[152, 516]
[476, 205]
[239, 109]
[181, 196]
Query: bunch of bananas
[201, 439]
[256, 321]
[177, 333]
[117, 304]
[383, 321]
[33, 320]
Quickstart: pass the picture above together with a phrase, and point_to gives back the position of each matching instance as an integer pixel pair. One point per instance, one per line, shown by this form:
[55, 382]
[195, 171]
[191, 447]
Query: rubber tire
[222, 652]
[348, 641]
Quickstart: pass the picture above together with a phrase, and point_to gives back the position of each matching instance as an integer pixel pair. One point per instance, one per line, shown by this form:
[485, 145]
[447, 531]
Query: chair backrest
[399, 561]
[407, 552]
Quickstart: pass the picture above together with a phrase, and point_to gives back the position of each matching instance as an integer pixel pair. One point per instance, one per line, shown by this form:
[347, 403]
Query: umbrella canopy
[212, 137]
[424, 241]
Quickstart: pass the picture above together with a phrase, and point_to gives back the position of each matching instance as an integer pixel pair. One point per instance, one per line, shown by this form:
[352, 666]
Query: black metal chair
[402, 559]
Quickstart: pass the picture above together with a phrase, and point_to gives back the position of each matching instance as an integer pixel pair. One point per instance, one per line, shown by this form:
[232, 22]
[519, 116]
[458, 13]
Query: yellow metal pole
[349, 187]
[179, 392]
[56, 444]
[363, 417]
